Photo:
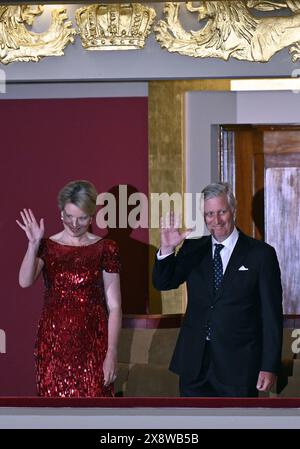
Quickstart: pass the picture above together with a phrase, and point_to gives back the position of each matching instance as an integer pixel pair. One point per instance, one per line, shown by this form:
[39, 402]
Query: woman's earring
[61, 217]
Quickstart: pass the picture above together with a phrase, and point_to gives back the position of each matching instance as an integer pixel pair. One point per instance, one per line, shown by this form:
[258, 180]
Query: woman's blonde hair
[81, 193]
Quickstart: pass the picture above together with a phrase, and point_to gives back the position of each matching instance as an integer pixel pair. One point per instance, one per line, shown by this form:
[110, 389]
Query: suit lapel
[236, 260]
[207, 268]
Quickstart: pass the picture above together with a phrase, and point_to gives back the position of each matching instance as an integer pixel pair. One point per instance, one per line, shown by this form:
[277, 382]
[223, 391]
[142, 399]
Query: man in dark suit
[231, 335]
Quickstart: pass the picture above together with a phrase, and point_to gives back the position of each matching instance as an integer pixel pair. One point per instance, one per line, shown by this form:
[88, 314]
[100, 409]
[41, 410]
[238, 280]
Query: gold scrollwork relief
[114, 26]
[230, 30]
[227, 29]
[19, 44]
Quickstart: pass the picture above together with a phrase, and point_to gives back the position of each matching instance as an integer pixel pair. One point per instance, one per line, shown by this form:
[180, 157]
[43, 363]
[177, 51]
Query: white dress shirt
[226, 252]
[229, 245]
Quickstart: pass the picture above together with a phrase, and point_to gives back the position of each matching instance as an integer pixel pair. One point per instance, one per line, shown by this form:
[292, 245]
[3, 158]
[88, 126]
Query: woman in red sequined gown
[76, 346]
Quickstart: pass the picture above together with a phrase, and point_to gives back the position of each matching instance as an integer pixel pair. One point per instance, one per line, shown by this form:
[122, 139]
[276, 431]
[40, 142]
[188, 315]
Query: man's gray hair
[218, 189]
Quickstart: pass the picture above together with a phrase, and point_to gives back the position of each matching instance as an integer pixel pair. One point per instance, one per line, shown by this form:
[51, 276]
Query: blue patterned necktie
[217, 266]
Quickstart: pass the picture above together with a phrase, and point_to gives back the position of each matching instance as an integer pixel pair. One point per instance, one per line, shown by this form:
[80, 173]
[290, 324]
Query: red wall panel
[44, 145]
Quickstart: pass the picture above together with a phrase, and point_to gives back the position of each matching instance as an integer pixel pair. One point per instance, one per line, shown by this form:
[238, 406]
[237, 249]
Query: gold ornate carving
[19, 44]
[114, 26]
[230, 30]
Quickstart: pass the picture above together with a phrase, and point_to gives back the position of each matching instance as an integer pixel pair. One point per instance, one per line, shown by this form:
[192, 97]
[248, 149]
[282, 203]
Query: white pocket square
[243, 268]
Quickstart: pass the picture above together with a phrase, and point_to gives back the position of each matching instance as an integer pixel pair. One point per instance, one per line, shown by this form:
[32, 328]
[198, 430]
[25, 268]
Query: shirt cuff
[163, 256]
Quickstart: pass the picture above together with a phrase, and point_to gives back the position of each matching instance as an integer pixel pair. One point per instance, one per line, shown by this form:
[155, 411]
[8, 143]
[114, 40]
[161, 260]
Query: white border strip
[266, 84]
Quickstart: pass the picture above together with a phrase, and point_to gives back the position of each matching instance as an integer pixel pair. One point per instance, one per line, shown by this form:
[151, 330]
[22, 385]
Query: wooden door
[262, 162]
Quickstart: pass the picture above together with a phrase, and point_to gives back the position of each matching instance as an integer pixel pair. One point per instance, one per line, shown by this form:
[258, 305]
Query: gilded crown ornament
[114, 26]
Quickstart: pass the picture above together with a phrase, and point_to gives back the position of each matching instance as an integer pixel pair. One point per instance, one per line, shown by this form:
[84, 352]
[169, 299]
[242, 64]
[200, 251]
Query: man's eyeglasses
[219, 213]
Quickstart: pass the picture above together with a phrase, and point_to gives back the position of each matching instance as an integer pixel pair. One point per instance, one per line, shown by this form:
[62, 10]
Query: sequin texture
[71, 340]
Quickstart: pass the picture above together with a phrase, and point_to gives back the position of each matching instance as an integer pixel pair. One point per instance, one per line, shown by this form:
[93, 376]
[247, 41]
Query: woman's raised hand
[170, 236]
[30, 226]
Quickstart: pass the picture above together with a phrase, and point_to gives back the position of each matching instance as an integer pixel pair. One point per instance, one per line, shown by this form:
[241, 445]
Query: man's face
[219, 217]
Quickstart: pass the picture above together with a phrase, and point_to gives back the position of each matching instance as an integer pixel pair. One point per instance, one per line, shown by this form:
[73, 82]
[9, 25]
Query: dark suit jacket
[245, 314]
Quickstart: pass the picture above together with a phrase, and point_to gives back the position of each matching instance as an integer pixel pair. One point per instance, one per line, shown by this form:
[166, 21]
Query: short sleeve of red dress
[111, 262]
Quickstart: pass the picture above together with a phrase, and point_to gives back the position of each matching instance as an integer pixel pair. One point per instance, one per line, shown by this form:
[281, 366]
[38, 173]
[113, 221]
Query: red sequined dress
[72, 333]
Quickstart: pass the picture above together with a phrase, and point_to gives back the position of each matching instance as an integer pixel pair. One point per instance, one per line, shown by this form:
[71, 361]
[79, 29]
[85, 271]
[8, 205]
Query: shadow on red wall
[134, 253]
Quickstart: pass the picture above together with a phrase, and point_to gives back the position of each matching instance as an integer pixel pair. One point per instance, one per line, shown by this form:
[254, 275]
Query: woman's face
[76, 222]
